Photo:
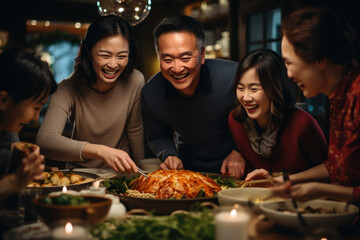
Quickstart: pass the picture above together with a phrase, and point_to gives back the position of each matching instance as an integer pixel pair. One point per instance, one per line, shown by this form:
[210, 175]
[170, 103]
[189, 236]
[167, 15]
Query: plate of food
[165, 191]
[317, 213]
[55, 180]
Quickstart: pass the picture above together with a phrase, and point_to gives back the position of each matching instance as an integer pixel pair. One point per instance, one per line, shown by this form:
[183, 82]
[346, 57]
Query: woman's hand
[257, 174]
[234, 164]
[314, 190]
[172, 162]
[301, 192]
[116, 159]
[306, 191]
[31, 169]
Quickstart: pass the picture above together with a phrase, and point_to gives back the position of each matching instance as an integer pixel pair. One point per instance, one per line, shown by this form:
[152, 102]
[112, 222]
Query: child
[25, 84]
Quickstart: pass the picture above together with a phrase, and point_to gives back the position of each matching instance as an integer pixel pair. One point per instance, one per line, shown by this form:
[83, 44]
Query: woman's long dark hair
[272, 74]
[103, 27]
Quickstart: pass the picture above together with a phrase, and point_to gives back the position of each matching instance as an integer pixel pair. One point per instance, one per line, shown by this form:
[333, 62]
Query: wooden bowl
[91, 213]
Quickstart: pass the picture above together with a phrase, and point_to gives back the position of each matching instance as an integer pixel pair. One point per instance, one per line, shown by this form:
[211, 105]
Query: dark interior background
[14, 16]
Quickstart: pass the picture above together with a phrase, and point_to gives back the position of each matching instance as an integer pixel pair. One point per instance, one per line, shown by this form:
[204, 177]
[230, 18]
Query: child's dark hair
[23, 75]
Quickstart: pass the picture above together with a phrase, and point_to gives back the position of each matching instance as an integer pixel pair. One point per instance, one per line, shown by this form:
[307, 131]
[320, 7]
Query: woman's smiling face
[110, 57]
[253, 98]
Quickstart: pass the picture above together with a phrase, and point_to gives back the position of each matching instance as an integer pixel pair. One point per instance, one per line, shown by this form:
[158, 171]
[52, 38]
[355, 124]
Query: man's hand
[172, 162]
[234, 164]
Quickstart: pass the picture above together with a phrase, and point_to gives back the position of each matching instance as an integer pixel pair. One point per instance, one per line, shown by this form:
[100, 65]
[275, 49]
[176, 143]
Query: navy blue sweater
[194, 129]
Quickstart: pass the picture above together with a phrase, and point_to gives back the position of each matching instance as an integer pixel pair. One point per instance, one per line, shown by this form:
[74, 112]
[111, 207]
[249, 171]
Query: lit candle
[231, 226]
[64, 190]
[95, 190]
[69, 232]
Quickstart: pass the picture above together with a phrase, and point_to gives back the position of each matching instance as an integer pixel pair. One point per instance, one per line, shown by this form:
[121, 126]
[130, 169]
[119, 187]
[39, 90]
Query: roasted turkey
[175, 184]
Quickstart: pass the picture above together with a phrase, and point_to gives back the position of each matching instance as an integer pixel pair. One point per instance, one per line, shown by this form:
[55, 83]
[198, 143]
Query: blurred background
[54, 28]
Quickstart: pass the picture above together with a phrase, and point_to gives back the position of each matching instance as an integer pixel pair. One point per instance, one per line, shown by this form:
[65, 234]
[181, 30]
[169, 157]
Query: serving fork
[142, 172]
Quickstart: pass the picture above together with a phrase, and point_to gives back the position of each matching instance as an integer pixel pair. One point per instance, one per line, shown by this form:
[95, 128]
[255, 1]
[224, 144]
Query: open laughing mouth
[251, 108]
[110, 74]
[180, 77]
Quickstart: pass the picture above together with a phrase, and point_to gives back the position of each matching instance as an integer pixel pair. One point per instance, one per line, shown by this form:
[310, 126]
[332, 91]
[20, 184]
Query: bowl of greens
[57, 209]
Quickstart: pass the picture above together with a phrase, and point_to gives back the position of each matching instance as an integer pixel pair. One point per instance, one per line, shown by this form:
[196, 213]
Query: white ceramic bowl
[150, 164]
[344, 216]
[241, 196]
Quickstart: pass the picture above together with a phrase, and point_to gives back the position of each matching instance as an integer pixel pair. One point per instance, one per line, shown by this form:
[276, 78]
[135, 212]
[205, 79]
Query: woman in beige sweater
[102, 101]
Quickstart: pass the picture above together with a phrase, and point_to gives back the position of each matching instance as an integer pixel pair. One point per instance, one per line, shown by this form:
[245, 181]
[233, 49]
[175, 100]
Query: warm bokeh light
[64, 190]
[233, 213]
[68, 228]
[77, 25]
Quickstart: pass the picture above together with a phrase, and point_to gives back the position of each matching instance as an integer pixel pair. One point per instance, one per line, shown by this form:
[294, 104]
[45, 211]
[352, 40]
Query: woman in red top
[321, 54]
[269, 131]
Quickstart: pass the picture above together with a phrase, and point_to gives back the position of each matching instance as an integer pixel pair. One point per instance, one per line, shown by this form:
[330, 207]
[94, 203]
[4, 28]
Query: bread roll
[19, 150]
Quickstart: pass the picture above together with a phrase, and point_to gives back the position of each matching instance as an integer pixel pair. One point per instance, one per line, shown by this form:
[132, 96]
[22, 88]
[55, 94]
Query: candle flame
[324, 238]
[96, 184]
[64, 190]
[68, 228]
[233, 213]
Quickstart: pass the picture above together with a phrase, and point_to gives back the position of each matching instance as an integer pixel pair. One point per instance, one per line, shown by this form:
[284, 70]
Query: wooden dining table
[261, 228]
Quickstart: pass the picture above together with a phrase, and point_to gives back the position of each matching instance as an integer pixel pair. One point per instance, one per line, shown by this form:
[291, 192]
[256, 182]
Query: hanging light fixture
[134, 11]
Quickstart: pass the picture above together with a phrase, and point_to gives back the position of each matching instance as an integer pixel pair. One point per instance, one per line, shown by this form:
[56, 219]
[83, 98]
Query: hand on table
[172, 162]
[234, 164]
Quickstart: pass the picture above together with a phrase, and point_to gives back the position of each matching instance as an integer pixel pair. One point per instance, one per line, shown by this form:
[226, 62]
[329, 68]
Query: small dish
[150, 164]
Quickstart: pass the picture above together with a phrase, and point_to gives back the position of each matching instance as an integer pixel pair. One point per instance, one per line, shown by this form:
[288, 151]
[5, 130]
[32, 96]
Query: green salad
[118, 185]
[192, 226]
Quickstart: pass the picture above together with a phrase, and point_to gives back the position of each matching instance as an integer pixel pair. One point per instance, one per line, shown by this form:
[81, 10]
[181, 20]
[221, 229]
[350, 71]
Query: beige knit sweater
[112, 119]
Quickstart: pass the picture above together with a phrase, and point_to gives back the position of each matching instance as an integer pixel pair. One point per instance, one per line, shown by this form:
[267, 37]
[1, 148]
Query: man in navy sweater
[185, 106]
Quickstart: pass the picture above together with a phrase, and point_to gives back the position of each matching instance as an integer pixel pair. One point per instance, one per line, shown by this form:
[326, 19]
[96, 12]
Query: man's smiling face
[180, 60]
